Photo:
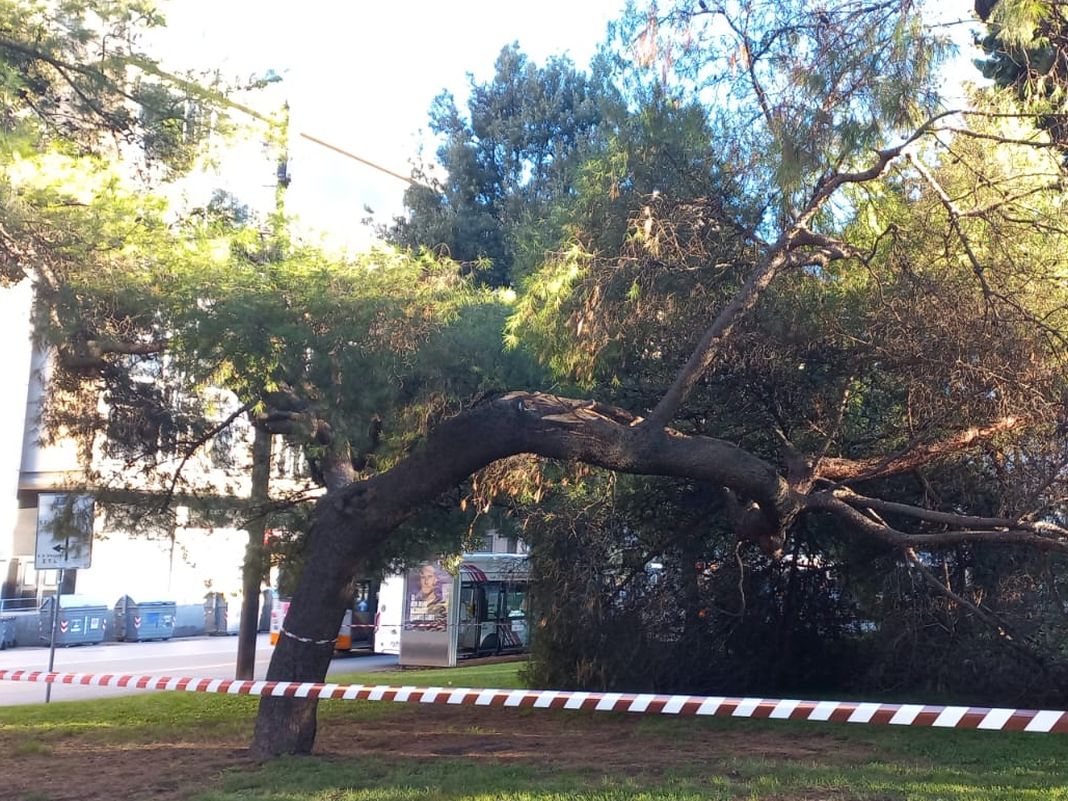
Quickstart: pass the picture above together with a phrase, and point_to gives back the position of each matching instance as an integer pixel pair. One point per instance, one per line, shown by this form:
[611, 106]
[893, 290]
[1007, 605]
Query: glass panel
[493, 601]
[516, 601]
[470, 608]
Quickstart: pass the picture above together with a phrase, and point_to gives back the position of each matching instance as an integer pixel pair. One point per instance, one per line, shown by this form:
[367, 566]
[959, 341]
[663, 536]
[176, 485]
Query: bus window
[492, 615]
[516, 602]
[493, 611]
[514, 632]
[471, 609]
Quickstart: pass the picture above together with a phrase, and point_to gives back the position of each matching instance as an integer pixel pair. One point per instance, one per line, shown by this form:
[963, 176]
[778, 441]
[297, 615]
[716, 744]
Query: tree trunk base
[284, 726]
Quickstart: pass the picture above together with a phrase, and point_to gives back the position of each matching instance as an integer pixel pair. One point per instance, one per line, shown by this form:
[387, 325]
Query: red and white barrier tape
[951, 717]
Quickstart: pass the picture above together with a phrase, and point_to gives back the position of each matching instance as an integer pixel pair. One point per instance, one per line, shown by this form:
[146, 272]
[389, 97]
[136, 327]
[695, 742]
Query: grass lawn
[191, 747]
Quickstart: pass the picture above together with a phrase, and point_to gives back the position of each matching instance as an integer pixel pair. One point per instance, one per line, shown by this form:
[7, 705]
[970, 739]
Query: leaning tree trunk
[306, 641]
[352, 519]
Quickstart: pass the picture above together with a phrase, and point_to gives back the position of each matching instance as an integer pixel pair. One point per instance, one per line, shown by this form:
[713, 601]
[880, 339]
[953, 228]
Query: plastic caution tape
[950, 717]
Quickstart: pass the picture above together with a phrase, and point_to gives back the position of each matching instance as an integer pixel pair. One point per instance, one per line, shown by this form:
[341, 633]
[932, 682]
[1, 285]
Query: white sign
[64, 531]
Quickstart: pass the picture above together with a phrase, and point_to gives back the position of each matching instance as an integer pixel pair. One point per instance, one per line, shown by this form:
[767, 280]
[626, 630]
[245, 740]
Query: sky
[361, 75]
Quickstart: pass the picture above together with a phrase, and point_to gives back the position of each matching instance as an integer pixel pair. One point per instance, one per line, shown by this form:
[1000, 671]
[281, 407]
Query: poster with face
[426, 637]
[429, 588]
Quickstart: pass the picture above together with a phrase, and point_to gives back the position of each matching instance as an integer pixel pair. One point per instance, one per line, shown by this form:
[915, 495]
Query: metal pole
[52, 638]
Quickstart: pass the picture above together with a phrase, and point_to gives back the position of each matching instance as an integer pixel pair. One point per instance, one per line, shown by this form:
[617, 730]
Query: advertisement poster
[428, 599]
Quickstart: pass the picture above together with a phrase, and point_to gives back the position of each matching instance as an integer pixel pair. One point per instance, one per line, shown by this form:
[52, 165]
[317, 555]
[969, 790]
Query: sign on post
[64, 531]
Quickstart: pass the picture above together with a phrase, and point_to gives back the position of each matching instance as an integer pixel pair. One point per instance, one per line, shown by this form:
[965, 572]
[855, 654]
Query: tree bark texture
[306, 641]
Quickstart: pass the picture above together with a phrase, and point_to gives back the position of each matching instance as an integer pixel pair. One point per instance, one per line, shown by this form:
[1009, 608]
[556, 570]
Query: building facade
[180, 560]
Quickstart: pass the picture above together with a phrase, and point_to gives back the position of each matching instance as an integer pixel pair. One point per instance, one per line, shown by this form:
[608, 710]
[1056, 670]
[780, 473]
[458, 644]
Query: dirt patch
[75, 768]
[608, 743]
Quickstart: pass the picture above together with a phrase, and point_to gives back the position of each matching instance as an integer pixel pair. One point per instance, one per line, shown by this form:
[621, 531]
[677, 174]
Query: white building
[182, 562]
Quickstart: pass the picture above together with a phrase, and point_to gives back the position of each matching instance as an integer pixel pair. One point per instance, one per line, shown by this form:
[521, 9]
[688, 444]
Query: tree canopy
[507, 162]
[844, 337]
[1027, 51]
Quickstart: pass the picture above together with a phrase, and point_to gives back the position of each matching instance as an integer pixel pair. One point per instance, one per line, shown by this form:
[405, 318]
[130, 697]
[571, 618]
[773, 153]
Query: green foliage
[641, 588]
[539, 322]
[793, 91]
[604, 289]
[74, 75]
[509, 161]
[359, 345]
[1026, 49]
[948, 316]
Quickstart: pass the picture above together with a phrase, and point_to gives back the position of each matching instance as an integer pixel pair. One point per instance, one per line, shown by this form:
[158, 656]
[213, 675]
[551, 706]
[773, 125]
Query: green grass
[503, 675]
[153, 717]
[441, 780]
[164, 715]
[360, 779]
[891, 764]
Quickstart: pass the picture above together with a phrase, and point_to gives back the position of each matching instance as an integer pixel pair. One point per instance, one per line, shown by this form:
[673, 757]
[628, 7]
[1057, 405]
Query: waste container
[81, 620]
[7, 632]
[147, 620]
[215, 614]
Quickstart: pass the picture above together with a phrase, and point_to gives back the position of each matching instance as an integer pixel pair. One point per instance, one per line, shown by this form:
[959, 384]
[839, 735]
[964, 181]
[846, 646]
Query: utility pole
[259, 494]
[255, 554]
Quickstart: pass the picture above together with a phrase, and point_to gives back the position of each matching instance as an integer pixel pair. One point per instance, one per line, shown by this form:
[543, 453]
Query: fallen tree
[863, 64]
[354, 520]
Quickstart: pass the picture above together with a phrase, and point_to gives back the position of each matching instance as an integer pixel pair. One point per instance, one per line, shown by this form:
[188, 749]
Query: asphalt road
[200, 657]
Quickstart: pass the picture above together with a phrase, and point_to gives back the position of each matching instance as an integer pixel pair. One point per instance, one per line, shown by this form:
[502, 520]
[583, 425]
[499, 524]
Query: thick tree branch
[557, 428]
[840, 469]
[950, 518]
[827, 502]
[596, 434]
[90, 353]
[778, 257]
[820, 249]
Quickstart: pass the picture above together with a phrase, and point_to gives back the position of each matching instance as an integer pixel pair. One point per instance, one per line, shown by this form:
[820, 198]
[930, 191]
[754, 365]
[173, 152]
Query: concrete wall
[15, 368]
[195, 562]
